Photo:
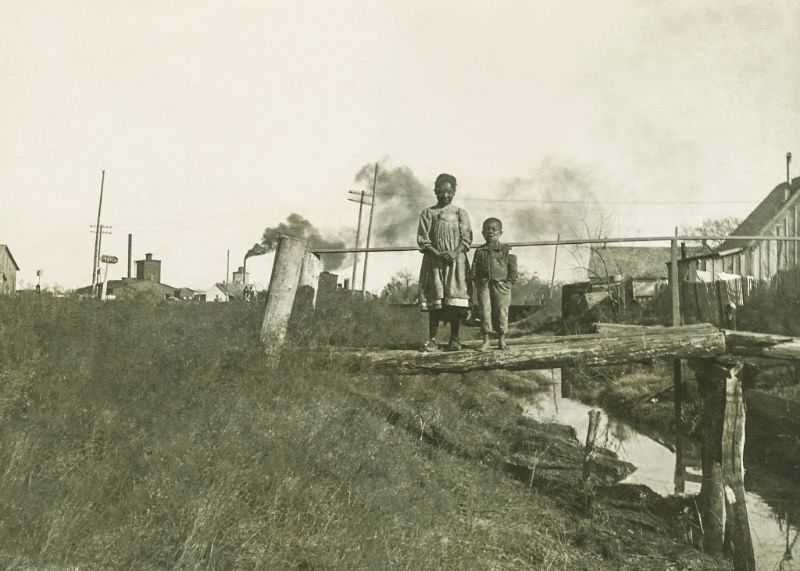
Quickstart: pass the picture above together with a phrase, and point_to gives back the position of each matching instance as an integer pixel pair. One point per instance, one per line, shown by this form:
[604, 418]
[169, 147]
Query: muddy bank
[478, 417]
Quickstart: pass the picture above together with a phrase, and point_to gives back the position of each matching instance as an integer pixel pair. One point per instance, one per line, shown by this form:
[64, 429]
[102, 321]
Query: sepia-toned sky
[215, 120]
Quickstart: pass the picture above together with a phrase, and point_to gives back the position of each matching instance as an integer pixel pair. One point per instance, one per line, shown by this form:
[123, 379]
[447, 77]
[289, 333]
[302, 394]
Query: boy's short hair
[444, 178]
[499, 222]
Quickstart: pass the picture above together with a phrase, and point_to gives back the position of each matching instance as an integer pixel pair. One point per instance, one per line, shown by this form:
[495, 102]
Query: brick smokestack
[130, 254]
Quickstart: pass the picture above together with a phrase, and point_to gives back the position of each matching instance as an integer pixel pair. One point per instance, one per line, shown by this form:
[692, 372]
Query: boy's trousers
[493, 301]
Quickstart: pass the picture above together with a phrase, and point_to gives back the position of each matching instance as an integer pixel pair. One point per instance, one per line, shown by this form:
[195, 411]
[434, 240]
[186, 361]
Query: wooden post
[678, 365]
[281, 293]
[309, 277]
[738, 537]
[588, 453]
[673, 279]
[712, 503]
[724, 509]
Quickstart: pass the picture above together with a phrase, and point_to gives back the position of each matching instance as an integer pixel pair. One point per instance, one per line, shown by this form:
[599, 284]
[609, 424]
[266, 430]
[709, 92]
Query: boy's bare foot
[502, 345]
[485, 346]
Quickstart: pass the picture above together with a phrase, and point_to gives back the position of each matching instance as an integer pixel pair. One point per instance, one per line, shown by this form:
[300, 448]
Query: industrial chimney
[788, 190]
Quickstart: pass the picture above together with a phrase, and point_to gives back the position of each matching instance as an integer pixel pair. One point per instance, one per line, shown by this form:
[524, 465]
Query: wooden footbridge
[716, 355]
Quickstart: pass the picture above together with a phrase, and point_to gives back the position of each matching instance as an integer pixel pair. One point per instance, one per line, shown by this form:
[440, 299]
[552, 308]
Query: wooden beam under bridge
[567, 351]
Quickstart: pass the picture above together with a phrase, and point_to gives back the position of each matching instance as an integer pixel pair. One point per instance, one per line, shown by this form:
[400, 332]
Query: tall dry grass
[140, 436]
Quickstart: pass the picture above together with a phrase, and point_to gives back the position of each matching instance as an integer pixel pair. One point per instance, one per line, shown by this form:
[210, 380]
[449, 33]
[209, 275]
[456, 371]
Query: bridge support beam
[725, 521]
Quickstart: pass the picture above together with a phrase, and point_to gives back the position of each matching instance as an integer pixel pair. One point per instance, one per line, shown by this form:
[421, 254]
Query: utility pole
[555, 259]
[98, 230]
[360, 201]
[369, 231]
[227, 276]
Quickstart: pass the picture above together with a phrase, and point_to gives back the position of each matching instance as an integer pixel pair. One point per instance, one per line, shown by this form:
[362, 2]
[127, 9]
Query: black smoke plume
[256, 250]
[298, 227]
[400, 199]
[558, 198]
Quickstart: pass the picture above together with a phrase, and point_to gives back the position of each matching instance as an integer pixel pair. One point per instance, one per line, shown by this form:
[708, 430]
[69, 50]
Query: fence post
[309, 279]
[678, 365]
[281, 294]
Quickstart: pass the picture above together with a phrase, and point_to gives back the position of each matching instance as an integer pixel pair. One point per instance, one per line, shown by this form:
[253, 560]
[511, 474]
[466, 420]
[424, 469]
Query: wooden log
[567, 351]
[789, 351]
[630, 329]
[281, 293]
[743, 339]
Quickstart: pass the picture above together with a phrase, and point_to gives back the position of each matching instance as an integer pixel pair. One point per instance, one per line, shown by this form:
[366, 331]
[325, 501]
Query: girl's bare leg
[455, 316]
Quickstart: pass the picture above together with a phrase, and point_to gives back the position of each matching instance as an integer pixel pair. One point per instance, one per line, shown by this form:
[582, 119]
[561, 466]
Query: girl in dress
[444, 237]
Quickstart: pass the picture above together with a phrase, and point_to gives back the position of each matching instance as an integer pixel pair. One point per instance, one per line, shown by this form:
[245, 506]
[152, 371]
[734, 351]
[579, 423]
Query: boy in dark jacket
[494, 271]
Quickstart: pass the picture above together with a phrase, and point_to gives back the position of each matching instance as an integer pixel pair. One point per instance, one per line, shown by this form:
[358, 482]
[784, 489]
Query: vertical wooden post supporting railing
[678, 365]
[309, 279]
[723, 502]
[281, 294]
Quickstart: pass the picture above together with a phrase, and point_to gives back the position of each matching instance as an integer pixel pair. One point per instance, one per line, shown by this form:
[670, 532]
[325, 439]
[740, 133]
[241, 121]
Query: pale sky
[216, 119]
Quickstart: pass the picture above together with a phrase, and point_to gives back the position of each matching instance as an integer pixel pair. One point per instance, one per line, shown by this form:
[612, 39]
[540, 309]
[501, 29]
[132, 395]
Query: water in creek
[775, 534]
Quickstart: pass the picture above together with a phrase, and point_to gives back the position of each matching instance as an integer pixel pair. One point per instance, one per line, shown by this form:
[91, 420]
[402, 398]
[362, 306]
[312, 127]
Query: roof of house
[132, 284]
[631, 261]
[755, 222]
[8, 251]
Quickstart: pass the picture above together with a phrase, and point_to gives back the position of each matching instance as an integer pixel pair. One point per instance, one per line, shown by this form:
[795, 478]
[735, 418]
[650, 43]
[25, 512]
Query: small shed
[8, 271]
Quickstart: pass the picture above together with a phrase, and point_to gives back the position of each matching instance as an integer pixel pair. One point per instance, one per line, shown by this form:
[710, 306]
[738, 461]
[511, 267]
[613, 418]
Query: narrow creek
[773, 523]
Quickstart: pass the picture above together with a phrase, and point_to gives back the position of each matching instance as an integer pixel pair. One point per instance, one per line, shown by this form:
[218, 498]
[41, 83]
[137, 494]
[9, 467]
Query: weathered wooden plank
[737, 339]
[789, 350]
[631, 329]
[568, 351]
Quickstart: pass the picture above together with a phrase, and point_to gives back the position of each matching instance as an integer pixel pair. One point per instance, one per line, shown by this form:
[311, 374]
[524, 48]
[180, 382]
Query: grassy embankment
[138, 436]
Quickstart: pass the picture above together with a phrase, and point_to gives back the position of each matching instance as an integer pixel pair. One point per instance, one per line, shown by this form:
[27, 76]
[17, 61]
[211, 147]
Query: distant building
[132, 288]
[777, 215]
[644, 267]
[622, 279]
[146, 285]
[8, 271]
[240, 276]
[213, 294]
[148, 269]
[185, 294]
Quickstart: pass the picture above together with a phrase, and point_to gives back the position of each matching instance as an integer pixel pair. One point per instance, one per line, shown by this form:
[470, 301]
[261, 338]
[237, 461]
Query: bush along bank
[138, 436]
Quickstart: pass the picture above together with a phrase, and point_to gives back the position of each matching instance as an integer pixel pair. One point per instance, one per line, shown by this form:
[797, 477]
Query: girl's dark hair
[443, 178]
